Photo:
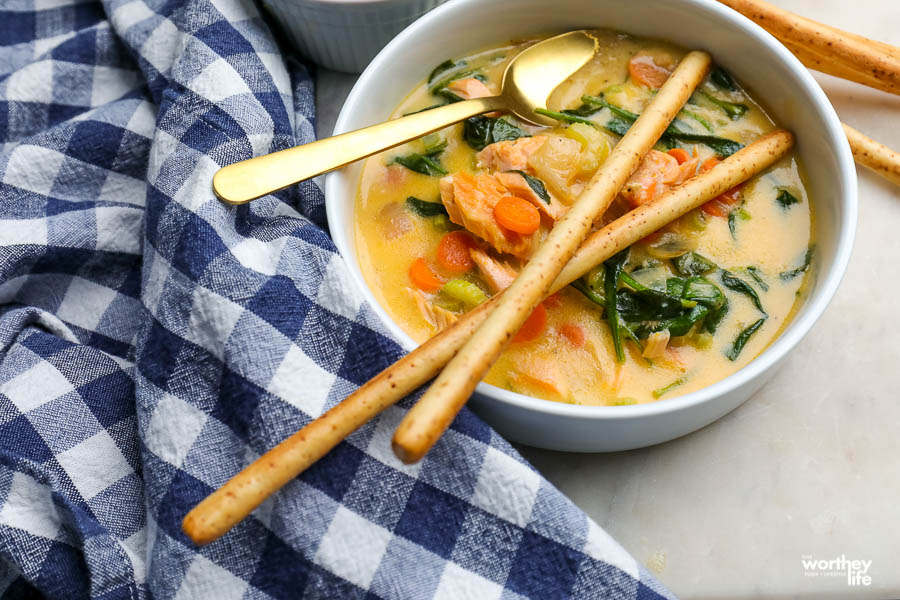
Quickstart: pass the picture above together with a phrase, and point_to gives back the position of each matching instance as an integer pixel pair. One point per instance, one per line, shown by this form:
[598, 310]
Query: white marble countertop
[810, 466]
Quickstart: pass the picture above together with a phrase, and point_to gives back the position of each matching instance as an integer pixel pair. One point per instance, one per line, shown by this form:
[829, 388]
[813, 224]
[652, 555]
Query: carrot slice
[553, 301]
[644, 71]
[424, 278]
[453, 252]
[517, 214]
[680, 155]
[709, 163]
[573, 333]
[533, 326]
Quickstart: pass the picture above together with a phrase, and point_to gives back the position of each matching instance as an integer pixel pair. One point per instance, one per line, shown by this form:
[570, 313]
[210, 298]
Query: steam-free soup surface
[444, 222]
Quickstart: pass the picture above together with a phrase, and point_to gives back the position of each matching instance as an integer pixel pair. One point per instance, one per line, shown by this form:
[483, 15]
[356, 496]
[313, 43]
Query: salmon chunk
[657, 173]
[496, 274]
[439, 318]
[470, 200]
[518, 186]
[509, 155]
[469, 88]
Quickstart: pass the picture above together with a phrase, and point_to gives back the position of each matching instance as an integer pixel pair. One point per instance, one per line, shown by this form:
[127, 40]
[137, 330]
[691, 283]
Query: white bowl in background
[757, 59]
[344, 35]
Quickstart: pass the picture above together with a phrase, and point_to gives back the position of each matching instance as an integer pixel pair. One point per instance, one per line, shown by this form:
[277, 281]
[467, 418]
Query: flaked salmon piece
[498, 275]
[509, 155]
[469, 88]
[470, 200]
[518, 186]
[439, 318]
[686, 170]
[656, 173]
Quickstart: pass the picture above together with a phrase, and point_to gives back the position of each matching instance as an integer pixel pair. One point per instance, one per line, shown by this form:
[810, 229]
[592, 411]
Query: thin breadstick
[248, 489]
[825, 48]
[874, 155]
[432, 414]
[824, 64]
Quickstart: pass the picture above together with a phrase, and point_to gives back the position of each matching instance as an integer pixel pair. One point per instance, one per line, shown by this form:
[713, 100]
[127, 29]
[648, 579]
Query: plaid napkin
[153, 341]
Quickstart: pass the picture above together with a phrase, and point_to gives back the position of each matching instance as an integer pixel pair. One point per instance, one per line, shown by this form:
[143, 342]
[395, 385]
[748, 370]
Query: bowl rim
[775, 352]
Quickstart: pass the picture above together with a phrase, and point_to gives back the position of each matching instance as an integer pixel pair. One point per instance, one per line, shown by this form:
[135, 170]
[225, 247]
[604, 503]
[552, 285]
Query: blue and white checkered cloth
[153, 341]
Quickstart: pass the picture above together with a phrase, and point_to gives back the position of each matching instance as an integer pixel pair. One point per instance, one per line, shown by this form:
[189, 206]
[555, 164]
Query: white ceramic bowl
[755, 58]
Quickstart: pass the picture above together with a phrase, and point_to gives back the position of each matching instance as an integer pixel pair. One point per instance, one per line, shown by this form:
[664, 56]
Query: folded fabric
[153, 341]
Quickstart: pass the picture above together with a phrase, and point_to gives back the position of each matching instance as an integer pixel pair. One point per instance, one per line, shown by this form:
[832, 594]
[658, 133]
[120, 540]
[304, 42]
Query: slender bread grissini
[432, 414]
[840, 53]
[874, 155]
[225, 507]
[827, 49]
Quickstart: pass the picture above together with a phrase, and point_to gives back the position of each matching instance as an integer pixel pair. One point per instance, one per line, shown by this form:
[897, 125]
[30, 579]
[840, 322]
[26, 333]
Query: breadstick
[826, 48]
[874, 155]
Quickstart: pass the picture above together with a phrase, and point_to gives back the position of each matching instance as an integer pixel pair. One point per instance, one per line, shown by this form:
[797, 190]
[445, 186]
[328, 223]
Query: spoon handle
[249, 179]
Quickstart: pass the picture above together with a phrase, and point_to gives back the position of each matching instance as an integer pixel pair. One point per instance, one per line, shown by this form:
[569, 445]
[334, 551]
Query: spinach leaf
[682, 324]
[662, 300]
[668, 388]
[675, 286]
[785, 199]
[740, 286]
[732, 224]
[446, 67]
[722, 79]
[617, 126]
[589, 293]
[714, 319]
[741, 340]
[692, 264]
[719, 145]
[734, 110]
[601, 102]
[648, 305]
[706, 124]
[425, 209]
[434, 144]
[614, 268]
[788, 275]
[567, 116]
[484, 131]
[419, 163]
[703, 291]
[536, 185]
[757, 276]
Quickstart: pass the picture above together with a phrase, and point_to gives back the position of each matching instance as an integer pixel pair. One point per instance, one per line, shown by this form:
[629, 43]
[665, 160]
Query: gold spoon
[527, 83]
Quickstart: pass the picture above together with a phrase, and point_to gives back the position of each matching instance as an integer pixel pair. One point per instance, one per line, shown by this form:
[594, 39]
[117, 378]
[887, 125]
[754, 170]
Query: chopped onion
[656, 344]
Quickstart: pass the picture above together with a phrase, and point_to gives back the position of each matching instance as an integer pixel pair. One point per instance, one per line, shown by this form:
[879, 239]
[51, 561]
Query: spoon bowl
[532, 76]
[528, 81]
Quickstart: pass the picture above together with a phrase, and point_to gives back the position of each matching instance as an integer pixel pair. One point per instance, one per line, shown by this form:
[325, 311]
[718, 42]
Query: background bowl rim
[774, 353]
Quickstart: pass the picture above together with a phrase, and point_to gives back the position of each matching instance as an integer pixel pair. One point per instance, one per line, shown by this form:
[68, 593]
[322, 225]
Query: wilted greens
[424, 208]
[484, 131]
[536, 185]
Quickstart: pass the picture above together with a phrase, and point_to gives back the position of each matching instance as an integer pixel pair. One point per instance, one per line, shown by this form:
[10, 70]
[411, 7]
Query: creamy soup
[447, 221]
